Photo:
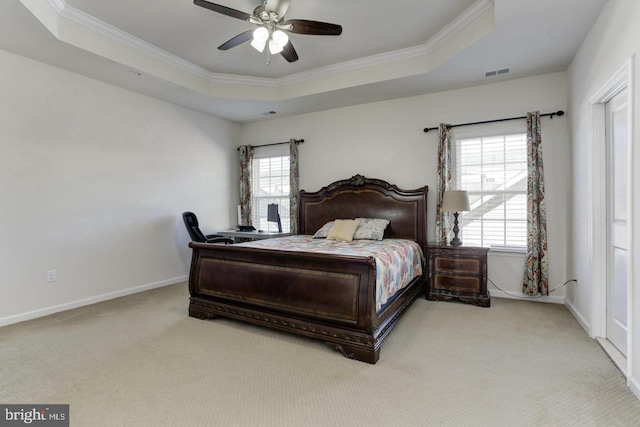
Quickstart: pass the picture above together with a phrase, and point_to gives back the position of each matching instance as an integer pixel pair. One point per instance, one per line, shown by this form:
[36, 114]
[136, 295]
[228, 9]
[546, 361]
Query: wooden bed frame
[328, 297]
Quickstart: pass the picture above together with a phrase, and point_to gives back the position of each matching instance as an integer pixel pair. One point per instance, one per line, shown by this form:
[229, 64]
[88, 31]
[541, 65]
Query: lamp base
[456, 241]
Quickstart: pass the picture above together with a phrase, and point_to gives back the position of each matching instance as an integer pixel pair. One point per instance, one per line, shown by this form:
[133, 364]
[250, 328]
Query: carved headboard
[360, 197]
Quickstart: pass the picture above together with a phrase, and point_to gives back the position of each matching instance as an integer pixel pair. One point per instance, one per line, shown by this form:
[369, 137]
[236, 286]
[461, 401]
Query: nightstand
[458, 273]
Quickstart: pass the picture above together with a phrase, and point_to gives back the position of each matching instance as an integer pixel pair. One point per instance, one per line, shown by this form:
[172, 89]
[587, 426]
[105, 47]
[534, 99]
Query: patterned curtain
[246, 157]
[294, 185]
[535, 270]
[444, 182]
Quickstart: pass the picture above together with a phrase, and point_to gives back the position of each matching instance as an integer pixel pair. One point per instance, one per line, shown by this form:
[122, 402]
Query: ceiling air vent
[496, 72]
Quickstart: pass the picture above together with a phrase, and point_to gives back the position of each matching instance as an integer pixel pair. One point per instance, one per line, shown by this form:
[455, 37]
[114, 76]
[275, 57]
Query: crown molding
[369, 61]
[58, 5]
[117, 34]
[80, 17]
[466, 18]
[474, 11]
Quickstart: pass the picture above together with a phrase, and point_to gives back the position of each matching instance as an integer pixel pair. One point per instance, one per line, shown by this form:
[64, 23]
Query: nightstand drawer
[457, 265]
[460, 283]
[458, 273]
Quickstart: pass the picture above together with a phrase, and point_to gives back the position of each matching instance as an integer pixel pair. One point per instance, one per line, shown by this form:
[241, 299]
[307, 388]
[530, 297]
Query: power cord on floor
[527, 297]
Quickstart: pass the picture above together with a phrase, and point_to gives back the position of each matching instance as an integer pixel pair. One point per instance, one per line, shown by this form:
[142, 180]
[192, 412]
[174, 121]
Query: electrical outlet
[52, 276]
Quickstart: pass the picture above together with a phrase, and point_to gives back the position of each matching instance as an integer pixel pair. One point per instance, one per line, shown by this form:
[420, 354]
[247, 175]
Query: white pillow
[323, 232]
[370, 229]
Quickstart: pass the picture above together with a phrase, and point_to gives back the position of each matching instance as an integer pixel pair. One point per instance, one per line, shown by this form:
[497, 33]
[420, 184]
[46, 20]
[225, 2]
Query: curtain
[444, 182]
[246, 158]
[535, 270]
[294, 186]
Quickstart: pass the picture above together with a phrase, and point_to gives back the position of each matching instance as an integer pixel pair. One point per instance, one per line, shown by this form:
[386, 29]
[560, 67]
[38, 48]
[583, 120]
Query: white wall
[93, 179]
[613, 41]
[386, 140]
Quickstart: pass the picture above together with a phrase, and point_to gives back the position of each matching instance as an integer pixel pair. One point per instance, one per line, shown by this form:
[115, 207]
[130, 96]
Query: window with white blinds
[493, 170]
[270, 176]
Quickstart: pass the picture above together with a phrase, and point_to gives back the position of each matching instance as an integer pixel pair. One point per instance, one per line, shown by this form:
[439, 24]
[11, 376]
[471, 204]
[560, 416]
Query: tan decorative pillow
[343, 230]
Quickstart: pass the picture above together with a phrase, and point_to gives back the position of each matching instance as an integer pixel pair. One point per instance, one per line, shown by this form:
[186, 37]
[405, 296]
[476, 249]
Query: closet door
[617, 209]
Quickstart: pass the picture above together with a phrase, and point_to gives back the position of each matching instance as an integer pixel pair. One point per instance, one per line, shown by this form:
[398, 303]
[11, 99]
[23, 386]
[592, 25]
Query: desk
[251, 235]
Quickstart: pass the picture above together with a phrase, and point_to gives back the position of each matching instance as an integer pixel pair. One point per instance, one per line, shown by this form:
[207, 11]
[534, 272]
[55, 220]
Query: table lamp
[455, 201]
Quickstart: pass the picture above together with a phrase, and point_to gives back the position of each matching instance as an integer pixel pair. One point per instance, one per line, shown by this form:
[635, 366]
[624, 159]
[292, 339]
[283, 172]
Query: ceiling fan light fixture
[258, 45]
[261, 34]
[280, 38]
[274, 48]
[278, 41]
[260, 37]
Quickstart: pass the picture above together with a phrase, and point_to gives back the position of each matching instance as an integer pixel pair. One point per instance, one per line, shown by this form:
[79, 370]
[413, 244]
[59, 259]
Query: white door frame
[598, 206]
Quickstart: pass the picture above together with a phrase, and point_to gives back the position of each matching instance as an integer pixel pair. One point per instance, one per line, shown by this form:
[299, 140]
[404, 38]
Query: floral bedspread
[398, 261]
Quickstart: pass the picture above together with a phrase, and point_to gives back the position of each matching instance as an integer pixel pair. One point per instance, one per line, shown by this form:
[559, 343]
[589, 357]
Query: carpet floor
[141, 361]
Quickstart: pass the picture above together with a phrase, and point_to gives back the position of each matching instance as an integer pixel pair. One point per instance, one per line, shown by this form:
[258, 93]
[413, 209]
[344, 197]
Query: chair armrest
[220, 239]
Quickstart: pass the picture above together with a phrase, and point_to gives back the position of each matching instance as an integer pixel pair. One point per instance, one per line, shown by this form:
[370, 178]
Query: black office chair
[191, 222]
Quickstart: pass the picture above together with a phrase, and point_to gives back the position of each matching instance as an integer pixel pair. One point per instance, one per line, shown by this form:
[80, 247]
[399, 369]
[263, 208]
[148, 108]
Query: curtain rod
[558, 113]
[297, 141]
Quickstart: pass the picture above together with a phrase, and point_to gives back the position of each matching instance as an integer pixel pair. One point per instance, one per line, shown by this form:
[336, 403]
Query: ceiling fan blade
[289, 53]
[302, 26]
[280, 7]
[239, 39]
[222, 9]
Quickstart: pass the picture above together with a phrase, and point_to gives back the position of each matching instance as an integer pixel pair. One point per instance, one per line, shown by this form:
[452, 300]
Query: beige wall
[93, 179]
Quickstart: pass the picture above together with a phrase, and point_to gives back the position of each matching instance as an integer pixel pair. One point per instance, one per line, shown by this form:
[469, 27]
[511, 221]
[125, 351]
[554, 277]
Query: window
[493, 170]
[270, 184]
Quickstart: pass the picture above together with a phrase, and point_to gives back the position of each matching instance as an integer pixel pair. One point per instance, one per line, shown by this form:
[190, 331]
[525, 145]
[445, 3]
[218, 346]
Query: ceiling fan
[269, 17]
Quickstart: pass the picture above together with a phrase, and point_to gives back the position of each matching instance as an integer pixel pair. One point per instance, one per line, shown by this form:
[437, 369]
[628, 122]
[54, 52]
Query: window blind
[270, 176]
[493, 170]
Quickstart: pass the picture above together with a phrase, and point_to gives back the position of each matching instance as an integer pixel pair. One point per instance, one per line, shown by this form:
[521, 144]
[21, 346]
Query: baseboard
[548, 299]
[614, 354]
[634, 386]
[9, 320]
[581, 320]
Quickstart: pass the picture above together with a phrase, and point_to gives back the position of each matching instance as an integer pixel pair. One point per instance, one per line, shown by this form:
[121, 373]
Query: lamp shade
[280, 38]
[455, 201]
[274, 47]
[258, 45]
[278, 41]
[260, 37]
[261, 34]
